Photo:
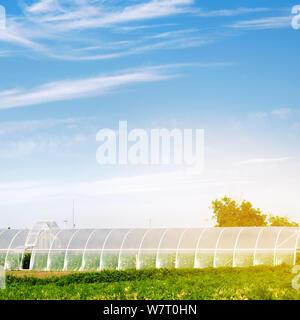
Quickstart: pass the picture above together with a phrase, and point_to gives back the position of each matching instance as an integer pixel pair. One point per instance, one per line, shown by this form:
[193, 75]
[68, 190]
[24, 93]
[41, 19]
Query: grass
[260, 282]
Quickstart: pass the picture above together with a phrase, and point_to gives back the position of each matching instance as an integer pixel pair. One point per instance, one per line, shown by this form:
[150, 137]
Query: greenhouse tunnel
[54, 249]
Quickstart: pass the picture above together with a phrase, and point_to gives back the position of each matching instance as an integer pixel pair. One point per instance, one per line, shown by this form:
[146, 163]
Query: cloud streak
[87, 17]
[230, 12]
[43, 6]
[264, 23]
[31, 125]
[12, 36]
[22, 192]
[281, 113]
[80, 88]
[91, 87]
[265, 161]
[44, 23]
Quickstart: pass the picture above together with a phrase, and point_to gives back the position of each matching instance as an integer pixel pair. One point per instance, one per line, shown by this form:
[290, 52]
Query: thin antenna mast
[73, 216]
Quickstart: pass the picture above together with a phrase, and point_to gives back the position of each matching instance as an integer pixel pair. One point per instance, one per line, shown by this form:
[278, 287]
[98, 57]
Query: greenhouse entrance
[48, 248]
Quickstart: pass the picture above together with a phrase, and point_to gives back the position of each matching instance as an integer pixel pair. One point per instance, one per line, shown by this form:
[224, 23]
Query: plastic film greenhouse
[51, 248]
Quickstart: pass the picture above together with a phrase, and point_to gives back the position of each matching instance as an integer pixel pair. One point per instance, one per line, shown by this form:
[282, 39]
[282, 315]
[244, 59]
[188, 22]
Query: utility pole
[73, 216]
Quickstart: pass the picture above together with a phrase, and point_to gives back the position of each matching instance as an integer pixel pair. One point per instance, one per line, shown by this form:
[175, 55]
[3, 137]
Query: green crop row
[260, 282]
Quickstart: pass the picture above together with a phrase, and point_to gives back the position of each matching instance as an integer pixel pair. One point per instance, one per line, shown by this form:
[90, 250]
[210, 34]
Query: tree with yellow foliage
[228, 213]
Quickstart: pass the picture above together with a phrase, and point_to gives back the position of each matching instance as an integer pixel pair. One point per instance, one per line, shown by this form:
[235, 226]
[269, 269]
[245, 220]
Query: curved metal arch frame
[35, 250]
[83, 263]
[197, 247]
[178, 245]
[121, 248]
[235, 247]
[276, 244]
[50, 249]
[157, 264]
[103, 246]
[9, 247]
[22, 258]
[216, 247]
[256, 244]
[140, 247]
[65, 268]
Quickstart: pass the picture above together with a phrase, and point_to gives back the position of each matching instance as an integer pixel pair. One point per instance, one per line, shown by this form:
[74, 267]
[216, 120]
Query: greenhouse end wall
[54, 249]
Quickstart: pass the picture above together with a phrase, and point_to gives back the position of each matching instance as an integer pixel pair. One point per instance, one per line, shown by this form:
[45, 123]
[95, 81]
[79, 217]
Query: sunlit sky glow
[70, 68]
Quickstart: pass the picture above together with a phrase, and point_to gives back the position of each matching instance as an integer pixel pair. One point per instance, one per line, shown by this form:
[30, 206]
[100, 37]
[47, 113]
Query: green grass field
[259, 282]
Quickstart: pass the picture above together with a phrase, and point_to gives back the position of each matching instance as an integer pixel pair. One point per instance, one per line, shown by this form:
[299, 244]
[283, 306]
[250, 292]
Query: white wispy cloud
[20, 192]
[265, 161]
[174, 33]
[177, 43]
[282, 112]
[86, 16]
[13, 36]
[6, 93]
[259, 114]
[18, 149]
[31, 125]
[43, 145]
[43, 6]
[46, 22]
[151, 26]
[90, 87]
[168, 41]
[4, 53]
[105, 56]
[264, 23]
[230, 12]
[80, 88]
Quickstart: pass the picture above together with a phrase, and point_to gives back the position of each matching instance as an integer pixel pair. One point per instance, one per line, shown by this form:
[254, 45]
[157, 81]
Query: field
[259, 282]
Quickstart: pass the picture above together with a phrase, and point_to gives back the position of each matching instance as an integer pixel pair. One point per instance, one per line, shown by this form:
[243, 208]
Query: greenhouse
[54, 249]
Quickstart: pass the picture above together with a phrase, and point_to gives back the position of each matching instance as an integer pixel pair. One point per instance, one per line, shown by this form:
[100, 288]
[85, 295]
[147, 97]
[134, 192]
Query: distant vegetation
[228, 213]
[260, 282]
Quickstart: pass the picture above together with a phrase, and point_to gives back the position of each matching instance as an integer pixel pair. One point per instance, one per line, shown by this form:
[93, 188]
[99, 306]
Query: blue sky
[71, 68]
